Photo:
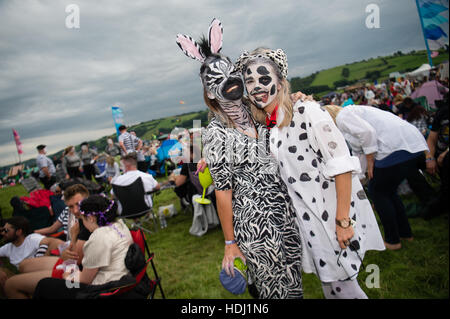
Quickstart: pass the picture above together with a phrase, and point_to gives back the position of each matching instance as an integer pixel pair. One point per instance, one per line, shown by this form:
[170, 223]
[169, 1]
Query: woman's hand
[301, 96]
[344, 235]
[231, 252]
[69, 253]
[201, 165]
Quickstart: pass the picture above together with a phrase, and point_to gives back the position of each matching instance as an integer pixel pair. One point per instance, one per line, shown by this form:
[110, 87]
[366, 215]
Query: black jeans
[383, 192]
[89, 171]
[48, 181]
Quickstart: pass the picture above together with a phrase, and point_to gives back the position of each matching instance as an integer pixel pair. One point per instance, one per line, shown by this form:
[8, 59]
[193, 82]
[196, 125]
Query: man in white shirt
[46, 167]
[129, 163]
[22, 244]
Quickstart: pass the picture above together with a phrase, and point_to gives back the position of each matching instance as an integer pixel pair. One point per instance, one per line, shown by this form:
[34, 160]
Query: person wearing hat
[46, 167]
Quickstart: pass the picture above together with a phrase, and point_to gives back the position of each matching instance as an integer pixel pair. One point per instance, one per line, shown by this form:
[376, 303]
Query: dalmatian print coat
[264, 220]
[310, 152]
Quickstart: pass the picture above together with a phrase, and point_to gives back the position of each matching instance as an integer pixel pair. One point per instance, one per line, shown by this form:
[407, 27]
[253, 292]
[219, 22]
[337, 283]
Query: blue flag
[434, 19]
[117, 118]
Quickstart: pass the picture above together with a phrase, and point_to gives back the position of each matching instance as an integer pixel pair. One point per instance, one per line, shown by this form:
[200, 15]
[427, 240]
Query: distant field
[358, 70]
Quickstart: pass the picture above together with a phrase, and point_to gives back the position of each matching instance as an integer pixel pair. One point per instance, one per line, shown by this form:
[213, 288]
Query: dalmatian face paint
[262, 83]
[220, 78]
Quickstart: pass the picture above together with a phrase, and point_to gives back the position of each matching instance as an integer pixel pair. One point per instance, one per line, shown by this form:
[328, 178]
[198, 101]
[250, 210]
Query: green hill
[324, 81]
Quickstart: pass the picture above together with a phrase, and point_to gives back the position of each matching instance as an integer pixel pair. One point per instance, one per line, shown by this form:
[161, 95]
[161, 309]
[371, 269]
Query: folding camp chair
[134, 206]
[31, 184]
[139, 239]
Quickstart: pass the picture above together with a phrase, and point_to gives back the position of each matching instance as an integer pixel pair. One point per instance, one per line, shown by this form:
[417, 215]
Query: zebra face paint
[262, 83]
[220, 78]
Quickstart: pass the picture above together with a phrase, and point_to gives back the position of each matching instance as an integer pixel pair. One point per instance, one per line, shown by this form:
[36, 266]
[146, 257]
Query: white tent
[395, 75]
[423, 70]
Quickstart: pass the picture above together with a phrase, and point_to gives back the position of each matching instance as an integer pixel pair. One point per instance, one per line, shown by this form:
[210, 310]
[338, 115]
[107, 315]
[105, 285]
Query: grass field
[190, 265]
[358, 70]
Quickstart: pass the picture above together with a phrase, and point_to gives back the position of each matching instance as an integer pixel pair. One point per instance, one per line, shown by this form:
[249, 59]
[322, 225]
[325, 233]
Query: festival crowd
[292, 180]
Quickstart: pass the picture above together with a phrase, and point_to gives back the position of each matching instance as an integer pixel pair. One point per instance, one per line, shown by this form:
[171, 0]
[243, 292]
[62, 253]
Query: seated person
[104, 252]
[33, 270]
[187, 183]
[56, 201]
[61, 222]
[22, 244]
[131, 174]
[111, 170]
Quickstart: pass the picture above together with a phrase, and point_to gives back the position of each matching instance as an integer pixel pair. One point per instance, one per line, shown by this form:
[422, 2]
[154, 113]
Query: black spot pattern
[325, 215]
[292, 149]
[305, 177]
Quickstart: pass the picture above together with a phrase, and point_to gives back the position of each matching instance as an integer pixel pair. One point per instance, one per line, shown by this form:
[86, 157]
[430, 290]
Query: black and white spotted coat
[263, 217]
[310, 152]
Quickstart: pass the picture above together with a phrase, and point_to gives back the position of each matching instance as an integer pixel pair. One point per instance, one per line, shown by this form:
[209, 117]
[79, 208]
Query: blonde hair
[283, 96]
[110, 160]
[68, 149]
[333, 110]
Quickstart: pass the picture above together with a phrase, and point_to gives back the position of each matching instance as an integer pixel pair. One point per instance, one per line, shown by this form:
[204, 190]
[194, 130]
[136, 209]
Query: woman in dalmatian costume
[256, 214]
[337, 224]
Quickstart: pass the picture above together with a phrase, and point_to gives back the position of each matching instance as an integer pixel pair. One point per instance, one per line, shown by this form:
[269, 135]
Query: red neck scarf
[272, 120]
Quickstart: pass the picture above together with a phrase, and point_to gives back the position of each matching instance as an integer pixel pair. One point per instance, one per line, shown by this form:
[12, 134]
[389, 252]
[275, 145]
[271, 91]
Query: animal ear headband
[193, 50]
[278, 56]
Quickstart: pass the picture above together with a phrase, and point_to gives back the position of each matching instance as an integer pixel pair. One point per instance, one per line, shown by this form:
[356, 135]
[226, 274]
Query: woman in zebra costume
[256, 214]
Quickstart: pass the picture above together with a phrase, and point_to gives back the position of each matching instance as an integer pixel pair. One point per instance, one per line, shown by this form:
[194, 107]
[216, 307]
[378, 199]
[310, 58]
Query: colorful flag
[117, 115]
[434, 20]
[18, 143]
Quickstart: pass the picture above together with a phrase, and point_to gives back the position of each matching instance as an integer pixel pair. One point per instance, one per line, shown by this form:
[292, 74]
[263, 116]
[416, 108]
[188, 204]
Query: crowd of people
[292, 179]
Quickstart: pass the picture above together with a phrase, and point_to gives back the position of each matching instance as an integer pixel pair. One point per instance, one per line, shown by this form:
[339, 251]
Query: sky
[57, 83]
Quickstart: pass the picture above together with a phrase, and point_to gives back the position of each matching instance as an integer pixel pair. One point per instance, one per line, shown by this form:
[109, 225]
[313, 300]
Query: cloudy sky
[57, 84]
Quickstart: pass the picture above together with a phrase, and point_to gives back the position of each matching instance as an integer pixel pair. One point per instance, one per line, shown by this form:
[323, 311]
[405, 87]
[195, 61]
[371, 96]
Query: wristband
[230, 242]
[429, 159]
